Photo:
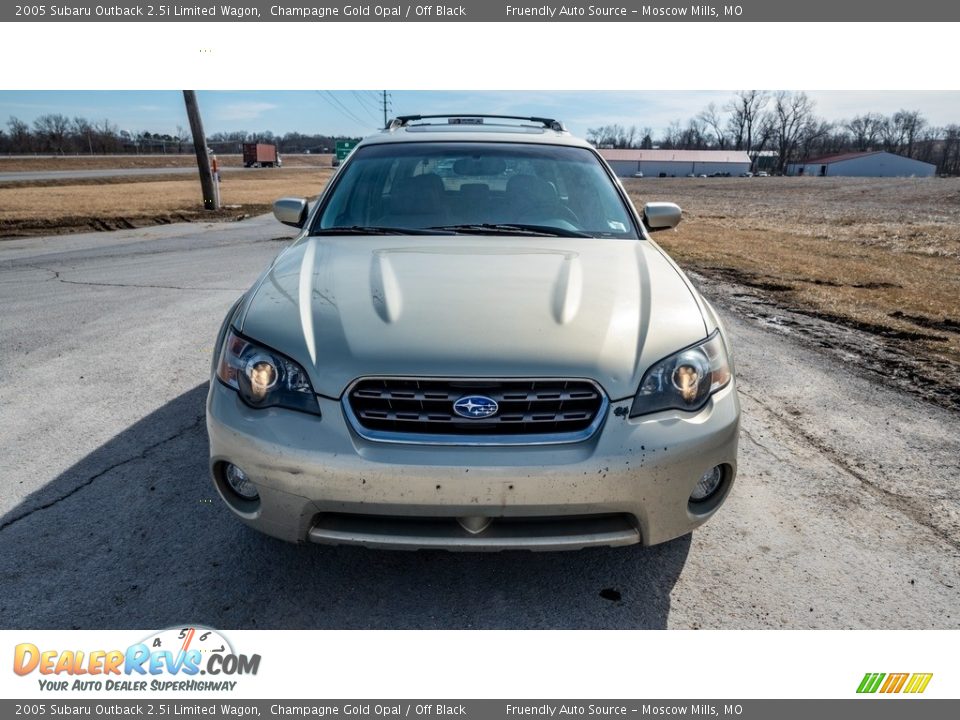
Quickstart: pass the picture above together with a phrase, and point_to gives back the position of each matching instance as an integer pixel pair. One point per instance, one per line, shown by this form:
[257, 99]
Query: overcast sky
[344, 112]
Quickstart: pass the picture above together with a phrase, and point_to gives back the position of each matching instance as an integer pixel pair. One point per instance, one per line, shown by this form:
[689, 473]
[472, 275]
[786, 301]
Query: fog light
[239, 482]
[707, 484]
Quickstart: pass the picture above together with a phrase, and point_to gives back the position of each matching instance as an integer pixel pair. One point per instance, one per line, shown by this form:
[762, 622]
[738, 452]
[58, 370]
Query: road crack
[889, 498]
[89, 481]
[135, 285]
[58, 276]
[746, 433]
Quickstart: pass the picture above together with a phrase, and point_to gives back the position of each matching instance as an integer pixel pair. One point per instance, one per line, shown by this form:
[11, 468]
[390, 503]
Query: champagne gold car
[473, 344]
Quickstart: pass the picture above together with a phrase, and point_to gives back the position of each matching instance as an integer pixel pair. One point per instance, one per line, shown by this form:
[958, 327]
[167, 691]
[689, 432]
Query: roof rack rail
[404, 120]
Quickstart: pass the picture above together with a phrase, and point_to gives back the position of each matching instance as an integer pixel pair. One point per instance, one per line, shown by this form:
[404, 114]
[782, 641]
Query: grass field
[881, 255]
[42, 207]
[878, 255]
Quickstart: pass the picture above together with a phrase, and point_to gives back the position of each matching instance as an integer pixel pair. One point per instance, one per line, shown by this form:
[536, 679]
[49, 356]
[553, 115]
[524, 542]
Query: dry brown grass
[126, 202]
[114, 162]
[882, 254]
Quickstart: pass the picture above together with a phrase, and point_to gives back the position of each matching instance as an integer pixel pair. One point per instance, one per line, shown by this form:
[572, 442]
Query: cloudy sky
[357, 112]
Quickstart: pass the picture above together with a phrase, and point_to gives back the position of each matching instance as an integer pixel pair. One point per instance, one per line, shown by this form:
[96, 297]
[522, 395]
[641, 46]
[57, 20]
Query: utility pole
[200, 146]
[386, 105]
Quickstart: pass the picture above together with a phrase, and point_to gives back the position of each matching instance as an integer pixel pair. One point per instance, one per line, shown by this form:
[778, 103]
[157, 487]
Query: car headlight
[685, 380]
[263, 377]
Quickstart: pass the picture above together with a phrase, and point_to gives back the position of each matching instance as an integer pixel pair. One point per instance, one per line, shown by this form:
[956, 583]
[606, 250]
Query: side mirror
[661, 215]
[291, 211]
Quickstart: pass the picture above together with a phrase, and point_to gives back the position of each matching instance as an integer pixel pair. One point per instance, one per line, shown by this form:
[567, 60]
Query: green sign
[344, 147]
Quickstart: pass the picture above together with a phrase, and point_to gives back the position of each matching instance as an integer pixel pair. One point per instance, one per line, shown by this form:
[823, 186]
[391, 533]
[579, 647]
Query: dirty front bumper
[319, 481]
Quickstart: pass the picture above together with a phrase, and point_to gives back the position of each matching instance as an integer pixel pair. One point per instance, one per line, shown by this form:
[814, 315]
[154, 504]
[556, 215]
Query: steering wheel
[568, 214]
[553, 211]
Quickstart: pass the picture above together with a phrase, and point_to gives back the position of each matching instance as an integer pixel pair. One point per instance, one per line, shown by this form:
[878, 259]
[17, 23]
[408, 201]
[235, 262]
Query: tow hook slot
[474, 524]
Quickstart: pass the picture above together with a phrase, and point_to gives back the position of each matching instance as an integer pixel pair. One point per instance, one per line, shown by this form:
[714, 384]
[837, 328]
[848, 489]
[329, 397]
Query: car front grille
[422, 410]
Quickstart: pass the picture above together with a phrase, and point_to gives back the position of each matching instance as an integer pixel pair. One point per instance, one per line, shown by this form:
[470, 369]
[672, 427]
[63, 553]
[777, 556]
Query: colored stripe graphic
[895, 683]
[870, 682]
[918, 682]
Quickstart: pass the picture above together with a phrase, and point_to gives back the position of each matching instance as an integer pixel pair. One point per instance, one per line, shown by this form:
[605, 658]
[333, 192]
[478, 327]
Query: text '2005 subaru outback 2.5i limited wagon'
[473, 344]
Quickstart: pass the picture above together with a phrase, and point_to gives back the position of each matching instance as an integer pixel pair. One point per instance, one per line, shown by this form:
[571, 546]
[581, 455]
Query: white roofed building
[877, 163]
[676, 163]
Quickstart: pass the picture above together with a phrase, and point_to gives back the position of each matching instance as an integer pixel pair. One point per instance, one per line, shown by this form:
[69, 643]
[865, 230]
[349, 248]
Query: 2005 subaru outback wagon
[473, 344]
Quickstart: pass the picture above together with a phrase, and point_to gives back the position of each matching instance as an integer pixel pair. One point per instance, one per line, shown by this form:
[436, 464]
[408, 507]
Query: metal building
[863, 164]
[676, 163]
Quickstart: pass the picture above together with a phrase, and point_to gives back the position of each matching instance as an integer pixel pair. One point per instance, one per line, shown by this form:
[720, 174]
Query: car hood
[463, 306]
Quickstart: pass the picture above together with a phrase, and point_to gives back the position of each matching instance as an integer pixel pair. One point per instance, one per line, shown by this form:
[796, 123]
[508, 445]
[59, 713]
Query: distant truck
[260, 155]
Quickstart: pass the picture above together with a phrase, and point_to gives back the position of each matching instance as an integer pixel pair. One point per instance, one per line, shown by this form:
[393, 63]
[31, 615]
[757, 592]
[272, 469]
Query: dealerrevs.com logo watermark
[912, 683]
[172, 659]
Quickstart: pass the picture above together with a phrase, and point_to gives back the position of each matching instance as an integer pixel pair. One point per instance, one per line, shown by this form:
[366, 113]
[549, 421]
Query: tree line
[57, 134]
[782, 127]
[785, 127]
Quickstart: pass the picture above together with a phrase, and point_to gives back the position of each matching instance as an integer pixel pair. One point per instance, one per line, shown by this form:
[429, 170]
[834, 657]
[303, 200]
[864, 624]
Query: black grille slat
[425, 407]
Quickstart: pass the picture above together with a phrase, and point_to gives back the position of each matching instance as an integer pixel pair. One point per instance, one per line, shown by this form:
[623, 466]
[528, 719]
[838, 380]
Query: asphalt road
[31, 175]
[846, 513]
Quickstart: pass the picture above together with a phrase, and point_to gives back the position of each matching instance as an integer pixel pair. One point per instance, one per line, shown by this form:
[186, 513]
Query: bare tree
[949, 162]
[19, 135]
[180, 137]
[107, 137]
[834, 140]
[746, 114]
[865, 130]
[694, 136]
[83, 130]
[815, 134]
[927, 144]
[792, 117]
[891, 134]
[912, 123]
[673, 136]
[712, 118]
[52, 130]
[646, 138]
[613, 136]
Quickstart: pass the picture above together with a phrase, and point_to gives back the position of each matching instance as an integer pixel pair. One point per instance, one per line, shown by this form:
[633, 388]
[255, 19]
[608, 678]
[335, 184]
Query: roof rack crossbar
[404, 120]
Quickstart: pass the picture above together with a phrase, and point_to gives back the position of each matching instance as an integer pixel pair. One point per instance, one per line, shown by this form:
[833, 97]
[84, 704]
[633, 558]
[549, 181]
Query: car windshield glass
[464, 186]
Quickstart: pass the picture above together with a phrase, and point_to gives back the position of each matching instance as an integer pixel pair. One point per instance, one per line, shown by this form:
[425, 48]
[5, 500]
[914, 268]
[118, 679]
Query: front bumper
[319, 481]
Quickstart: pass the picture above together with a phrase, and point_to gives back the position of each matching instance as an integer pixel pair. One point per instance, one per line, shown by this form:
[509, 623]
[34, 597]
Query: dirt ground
[878, 255]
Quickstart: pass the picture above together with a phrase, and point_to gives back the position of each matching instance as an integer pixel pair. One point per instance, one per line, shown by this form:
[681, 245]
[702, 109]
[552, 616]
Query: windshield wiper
[513, 229]
[376, 230]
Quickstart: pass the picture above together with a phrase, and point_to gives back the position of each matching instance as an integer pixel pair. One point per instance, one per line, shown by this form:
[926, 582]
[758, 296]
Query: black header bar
[852, 11]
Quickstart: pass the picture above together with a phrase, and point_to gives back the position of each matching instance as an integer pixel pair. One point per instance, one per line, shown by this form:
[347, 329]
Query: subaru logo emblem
[475, 406]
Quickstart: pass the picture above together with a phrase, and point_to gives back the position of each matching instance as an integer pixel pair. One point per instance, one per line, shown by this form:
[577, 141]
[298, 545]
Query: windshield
[476, 187]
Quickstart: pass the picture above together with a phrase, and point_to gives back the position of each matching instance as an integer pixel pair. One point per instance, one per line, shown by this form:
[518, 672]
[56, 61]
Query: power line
[347, 110]
[365, 100]
[363, 103]
[341, 108]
